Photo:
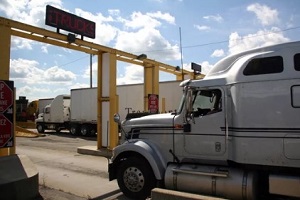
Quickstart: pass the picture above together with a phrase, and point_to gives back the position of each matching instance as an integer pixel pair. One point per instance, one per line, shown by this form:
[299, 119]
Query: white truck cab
[55, 116]
[235, 135]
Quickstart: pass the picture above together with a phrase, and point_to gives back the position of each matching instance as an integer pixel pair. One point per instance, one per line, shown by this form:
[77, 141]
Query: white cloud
[133, 74]
[239, 43]
[202, 28]
[139, 20]
[105, 32]
[264, 14]
[218, 53]
[56, 74]
[79, 85]
[114, 12]
[28, 72]
[216, 18]
[44, 49]
[29, 11]
[205, 67]
[33, 91]
[86, 73]
[153, 20]
[20, 43]
[148, 41]
[164, 16]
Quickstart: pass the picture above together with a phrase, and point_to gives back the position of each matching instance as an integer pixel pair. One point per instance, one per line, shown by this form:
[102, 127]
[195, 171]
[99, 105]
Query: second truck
[76, 112]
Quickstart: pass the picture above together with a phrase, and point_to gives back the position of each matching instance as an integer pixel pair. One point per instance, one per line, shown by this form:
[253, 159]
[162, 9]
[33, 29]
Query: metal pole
[91, 70]
[182, 75]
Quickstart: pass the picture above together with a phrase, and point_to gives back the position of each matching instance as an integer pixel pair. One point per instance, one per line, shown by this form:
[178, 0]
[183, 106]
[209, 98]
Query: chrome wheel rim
[133, 179]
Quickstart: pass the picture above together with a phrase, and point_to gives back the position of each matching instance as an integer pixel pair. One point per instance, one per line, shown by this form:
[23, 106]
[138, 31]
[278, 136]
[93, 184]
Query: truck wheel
[93, 132]
[40, 128]
[85, 130]
[74, 130]
[57, 129]
[135, 178]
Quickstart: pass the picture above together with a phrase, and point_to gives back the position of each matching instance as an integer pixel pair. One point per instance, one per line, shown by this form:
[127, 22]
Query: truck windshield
[181, 104]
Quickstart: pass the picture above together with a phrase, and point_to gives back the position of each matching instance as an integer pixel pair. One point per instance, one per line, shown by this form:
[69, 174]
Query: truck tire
[93, 132]
[85, 130]
[40, 128]
[135, 178]
[57, 129]
[74, 130]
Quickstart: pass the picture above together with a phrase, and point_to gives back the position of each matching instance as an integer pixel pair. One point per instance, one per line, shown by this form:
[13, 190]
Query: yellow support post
[5, 37]
[99, 102]
[163, 105]
[151, 82]
[113, 127]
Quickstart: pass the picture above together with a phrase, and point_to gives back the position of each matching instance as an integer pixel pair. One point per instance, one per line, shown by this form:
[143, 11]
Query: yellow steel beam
[42, 35]
[5, 36]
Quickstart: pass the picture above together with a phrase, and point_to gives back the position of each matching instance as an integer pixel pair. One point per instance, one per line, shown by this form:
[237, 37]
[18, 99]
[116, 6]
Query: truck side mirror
[117, 118]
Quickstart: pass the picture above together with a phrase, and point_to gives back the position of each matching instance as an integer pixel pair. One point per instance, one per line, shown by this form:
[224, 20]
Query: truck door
[206, 136]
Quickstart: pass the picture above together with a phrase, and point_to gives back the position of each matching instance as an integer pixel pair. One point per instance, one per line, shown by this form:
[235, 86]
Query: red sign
[6, 96]
[6, 128]
[69, 22]
[153, 105]
[6, 113]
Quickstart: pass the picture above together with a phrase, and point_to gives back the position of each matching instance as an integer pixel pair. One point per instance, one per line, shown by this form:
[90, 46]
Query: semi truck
[55, 116]
[235, 134]
[78, 112]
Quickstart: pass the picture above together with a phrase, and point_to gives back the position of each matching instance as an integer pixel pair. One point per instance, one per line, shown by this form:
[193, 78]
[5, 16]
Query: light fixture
[141, 57]
[71, 38]
[177, 68]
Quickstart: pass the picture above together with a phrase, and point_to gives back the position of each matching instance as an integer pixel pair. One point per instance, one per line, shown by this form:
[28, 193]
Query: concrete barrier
[18, 178]
[164, 194]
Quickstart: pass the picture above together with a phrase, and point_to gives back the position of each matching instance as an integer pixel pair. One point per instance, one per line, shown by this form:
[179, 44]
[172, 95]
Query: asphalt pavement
[65, 174]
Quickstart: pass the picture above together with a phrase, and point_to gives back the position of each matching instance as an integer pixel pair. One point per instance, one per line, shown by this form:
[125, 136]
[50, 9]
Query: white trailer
[83, 107]
[235, 135]
[83, 111]
[78, 112]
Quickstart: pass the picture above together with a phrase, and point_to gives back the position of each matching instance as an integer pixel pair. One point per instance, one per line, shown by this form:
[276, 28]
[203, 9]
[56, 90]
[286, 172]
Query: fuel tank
[212, 180]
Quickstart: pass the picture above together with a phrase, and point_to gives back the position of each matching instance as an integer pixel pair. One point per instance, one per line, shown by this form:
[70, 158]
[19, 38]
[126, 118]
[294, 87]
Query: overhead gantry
[107, 65]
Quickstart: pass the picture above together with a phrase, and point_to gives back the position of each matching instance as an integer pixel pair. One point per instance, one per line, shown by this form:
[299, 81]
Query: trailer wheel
[40, 128]
[85, 130]
[93, 132]
[135, 178]
[57, 129]
[74, 129]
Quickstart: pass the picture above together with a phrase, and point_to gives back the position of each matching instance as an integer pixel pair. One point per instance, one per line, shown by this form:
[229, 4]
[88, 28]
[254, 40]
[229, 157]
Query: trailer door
[207, 136]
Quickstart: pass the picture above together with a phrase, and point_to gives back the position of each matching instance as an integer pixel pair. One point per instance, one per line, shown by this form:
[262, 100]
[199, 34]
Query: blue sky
[210, 30]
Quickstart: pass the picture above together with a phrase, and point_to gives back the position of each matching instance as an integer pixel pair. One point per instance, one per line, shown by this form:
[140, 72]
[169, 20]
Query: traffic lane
[82, 175]
[62, 141]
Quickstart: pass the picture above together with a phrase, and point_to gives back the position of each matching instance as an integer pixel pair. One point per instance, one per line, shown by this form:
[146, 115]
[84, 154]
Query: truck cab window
[297, 61]
[267, 65]
[206, 102]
